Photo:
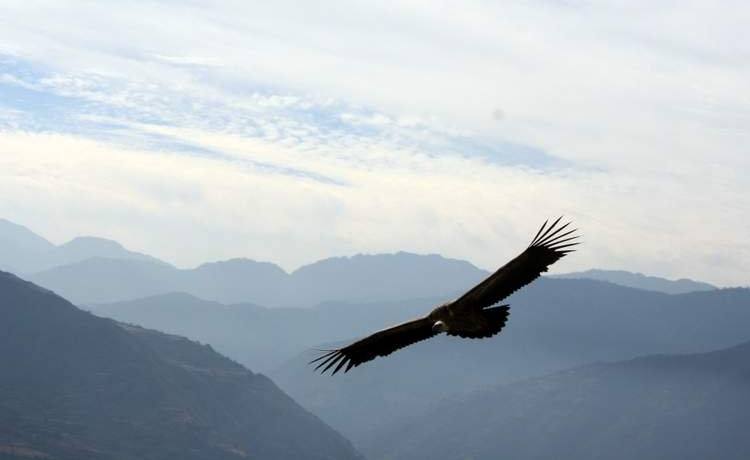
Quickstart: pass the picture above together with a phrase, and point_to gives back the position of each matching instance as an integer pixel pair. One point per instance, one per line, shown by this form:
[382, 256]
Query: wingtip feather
[552, 236]
[557, 248]
[338, 356]
[341, 364]
[544, 234]
[539, 232]
[328, 357]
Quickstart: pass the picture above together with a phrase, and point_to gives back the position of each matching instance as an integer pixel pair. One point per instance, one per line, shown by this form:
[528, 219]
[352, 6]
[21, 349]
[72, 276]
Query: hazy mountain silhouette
[261, 338]
[75, 386]
[86, 247]
[554, 324]
[94, 270]
[641, 281]
[23, 251]
[97, 270]
[237, 280]
[258, 337]
[658, 407]
[359, 278]
[98, 279]
[383, 277]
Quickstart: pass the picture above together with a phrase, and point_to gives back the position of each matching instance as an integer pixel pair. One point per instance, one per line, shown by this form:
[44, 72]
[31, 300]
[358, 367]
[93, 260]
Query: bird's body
[473, 315]
[471, 324]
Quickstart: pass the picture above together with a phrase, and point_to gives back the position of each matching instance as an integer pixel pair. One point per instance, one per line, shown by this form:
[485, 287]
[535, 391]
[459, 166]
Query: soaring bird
[473, 315]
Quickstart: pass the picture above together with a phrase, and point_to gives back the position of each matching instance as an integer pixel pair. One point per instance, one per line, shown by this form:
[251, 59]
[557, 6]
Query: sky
[294, 131]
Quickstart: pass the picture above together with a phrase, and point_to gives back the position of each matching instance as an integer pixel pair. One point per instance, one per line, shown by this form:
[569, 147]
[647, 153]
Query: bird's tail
[494, 321]
[496, 317]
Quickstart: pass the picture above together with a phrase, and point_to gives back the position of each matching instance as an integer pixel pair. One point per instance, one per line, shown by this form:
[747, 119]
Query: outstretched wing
[381, 343]
[548, 246]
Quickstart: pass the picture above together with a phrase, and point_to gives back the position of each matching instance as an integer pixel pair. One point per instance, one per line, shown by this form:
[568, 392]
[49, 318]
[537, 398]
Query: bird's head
[439, 327]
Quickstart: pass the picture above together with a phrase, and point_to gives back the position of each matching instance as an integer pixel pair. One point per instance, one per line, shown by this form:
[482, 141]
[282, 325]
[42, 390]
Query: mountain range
[76, 386]
[641, 281]
[691, 406]
[401, 275]
[23, 251]
[554, 324]
[411, 405]
[95, 270]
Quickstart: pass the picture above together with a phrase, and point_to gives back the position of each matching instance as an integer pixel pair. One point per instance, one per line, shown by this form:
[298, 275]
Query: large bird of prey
[470, 316]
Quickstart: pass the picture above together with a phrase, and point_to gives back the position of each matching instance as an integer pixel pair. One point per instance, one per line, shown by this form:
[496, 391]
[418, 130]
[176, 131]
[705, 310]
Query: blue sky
[289, 132]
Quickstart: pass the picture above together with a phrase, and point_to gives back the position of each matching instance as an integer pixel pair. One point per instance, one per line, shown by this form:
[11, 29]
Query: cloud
[456, 206]
[461, 125]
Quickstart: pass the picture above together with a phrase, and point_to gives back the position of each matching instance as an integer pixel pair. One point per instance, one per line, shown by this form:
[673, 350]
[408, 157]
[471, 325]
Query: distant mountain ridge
[257, 336]
[95, 270]
[554, 324]
[360, 278]
[665, 407]
[75, 386]
[641, 281]
[23, 251]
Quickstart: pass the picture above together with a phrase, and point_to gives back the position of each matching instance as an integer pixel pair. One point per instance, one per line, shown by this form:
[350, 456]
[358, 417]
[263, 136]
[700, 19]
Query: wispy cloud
[297, 133]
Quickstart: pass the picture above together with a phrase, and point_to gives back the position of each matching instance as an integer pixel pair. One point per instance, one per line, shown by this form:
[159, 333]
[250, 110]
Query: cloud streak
[288, 134]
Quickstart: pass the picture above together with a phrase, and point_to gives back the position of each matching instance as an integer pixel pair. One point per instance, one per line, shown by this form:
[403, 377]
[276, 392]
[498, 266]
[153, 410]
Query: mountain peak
[86, 247]
[23, 251]
[240, 263]
[641, 281]
[399, 260]
[93, 243]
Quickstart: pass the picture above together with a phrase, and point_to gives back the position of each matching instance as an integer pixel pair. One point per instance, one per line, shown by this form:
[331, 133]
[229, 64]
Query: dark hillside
[75, 386]
[659, 407]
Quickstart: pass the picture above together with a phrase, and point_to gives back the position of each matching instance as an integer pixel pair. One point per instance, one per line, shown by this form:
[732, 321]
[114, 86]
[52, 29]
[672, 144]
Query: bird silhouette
[473, 315]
